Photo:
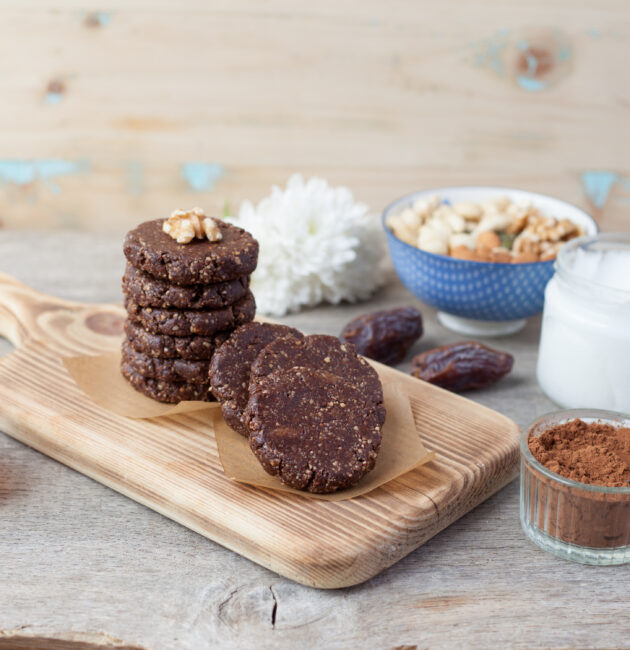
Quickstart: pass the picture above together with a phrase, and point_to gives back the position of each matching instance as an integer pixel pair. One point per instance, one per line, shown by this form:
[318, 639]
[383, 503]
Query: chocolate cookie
[170, 370]
[200, 261]
[229, 371]
[324, 353]
[164, 391]
[148, 291]
[313, 429]
[176, 322]
[163, 346]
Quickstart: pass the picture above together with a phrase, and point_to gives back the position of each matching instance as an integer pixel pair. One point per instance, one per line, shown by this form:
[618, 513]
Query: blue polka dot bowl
[478, 298]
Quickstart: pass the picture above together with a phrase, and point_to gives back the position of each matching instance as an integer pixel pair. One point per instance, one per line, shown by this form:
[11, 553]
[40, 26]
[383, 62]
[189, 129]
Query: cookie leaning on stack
[186, 289]
[311, 408]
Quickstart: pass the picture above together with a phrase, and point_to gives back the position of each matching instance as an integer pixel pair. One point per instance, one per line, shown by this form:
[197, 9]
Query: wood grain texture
[109, 119]
[82, 562]
[73, 642]
[171, 464]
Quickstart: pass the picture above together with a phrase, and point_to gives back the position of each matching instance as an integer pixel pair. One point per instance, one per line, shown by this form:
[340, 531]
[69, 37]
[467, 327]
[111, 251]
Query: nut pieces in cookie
[231, 366]
[313, 429]
[185, 225]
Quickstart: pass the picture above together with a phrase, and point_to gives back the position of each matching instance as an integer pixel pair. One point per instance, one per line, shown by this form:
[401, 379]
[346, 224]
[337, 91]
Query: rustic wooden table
[80, 562]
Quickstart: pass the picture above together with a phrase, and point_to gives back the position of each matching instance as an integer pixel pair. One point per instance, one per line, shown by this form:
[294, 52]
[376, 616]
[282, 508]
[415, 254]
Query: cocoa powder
[595, 453]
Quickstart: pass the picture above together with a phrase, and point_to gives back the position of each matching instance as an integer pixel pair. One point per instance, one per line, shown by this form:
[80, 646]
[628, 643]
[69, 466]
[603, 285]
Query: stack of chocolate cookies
[311, 408]
[186, 289]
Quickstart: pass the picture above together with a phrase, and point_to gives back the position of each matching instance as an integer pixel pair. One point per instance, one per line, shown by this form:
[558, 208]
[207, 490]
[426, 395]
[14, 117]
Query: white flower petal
[316, 244]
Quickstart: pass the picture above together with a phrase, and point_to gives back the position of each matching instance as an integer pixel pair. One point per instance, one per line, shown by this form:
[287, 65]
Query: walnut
[185, 225]
[211, 229]
[519, 221]
[543, 235]
[527, 242]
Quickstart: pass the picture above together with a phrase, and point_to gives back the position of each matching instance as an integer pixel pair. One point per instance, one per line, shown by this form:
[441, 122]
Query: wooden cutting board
[171, 464]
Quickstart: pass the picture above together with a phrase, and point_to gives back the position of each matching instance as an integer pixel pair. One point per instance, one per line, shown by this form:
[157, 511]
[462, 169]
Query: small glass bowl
[584, 523]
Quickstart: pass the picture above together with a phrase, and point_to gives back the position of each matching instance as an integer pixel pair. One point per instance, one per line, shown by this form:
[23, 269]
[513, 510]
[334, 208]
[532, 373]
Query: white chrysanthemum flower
[316, 245]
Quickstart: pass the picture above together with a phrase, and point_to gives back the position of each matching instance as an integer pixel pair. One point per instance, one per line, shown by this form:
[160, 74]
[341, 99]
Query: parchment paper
[99, 377]
[401, 451]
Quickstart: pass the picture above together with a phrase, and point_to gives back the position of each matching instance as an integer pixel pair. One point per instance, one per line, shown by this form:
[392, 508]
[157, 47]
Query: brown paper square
[99, 377]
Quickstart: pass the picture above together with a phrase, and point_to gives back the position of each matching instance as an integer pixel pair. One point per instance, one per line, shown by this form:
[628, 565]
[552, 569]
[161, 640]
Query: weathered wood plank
[113, 115]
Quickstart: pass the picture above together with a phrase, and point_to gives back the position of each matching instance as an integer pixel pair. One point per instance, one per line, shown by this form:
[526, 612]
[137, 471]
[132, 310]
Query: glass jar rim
[559, 417]
[563, 269]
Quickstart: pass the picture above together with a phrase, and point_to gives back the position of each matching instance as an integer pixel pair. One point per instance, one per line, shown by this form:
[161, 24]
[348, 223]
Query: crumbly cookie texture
[185, 225]
[168, 370]
[321, 352]
[164, 391]
[231, 365]
[148, 291]
[180, 322]
[150, 249]
[163, 346]
[313, 429]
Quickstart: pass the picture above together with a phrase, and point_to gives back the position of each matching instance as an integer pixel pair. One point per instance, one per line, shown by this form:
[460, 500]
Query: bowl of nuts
[481, 255]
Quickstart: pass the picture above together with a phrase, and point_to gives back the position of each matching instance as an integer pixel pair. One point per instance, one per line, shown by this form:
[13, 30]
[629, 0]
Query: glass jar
[584, 523]
[584, 353]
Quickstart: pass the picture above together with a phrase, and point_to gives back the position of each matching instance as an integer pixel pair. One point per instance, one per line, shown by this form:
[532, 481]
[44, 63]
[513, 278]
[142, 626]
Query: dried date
[384, 336]
[462, 366]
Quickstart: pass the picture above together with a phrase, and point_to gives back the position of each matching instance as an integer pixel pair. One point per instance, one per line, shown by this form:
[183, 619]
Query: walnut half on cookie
[185, 225]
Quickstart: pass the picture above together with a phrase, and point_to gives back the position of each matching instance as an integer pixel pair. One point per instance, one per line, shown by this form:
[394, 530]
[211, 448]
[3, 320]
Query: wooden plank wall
[121, 110]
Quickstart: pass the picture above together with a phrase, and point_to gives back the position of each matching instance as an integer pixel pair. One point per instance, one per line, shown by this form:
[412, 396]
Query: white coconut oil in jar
[584, 354]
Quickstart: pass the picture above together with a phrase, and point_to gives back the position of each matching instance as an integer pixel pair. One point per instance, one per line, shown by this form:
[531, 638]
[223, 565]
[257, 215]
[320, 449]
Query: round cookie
[229, 370]
[180, 322]
[200, 261]
[313, 429]
[163, 346]
[164, 391]
[148, 291]
[324, 353]
[170, 370]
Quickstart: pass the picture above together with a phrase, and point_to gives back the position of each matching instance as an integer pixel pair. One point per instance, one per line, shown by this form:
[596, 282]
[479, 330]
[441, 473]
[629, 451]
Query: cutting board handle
[64, 326]
[19, 309]
[28, 314]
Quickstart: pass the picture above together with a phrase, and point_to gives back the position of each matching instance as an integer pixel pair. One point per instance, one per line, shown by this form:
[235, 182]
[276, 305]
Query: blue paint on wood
[97, 19]
[532, 64]
[104, 18]
[533, 85]
[598, 185]
[564, 54]
[535, 62]
[135, 177]
[491, 52]
[200, 176]
[25, 172]
[53, 98]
